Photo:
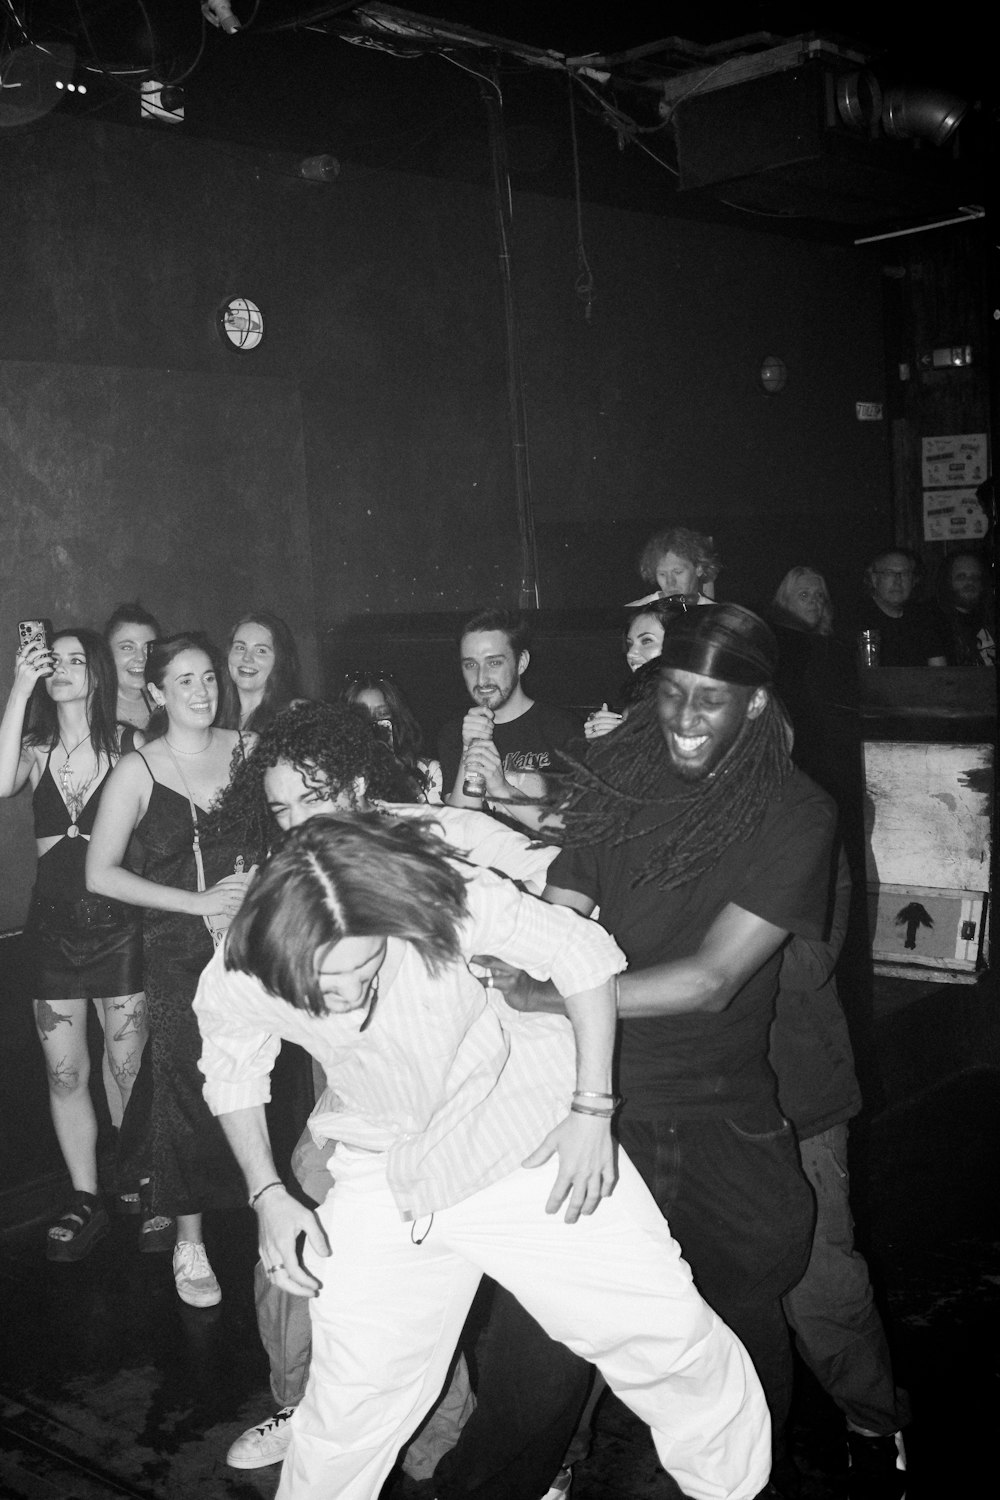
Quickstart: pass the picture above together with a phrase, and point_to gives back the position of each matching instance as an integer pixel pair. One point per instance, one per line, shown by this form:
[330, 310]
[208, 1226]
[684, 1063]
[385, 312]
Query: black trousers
[530, 1392]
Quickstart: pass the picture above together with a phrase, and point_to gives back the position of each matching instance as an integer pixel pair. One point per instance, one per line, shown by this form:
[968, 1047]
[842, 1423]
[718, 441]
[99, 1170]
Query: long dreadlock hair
[624, 774]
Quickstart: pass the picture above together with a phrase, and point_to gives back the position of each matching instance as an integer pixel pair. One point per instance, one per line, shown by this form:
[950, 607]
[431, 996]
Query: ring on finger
[279, 1267]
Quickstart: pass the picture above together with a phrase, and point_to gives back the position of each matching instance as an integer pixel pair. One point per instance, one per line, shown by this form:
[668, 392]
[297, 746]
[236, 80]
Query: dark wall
[652, 413]
[359, 460]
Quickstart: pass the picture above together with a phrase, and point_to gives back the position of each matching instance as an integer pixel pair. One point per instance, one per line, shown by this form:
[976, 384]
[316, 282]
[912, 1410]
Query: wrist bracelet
[265, 1189]
[589, 1094]
[585, 1109]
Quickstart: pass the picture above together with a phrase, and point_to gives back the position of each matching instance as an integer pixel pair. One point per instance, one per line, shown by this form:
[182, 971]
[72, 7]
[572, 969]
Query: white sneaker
[561, 1485]
[266, 1444]
[194, 1277]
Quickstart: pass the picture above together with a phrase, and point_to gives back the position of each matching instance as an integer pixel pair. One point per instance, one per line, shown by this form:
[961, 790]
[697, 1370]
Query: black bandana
[724, 641]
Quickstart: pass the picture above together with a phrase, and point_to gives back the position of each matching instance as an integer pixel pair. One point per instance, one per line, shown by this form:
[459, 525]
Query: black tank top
[52, 819]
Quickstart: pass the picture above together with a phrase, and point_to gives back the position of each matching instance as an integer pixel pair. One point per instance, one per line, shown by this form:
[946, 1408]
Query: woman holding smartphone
[378, 694]
[58, 734]
[192, 881]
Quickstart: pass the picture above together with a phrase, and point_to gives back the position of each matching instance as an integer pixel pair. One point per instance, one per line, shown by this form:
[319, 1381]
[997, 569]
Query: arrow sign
[913, 916]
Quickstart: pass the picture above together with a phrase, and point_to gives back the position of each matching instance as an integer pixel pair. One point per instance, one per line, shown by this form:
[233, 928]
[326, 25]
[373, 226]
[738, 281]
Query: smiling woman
[263, 671]
[193, 880]
[130, 630]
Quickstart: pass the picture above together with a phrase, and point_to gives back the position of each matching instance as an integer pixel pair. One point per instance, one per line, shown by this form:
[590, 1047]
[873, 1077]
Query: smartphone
[383, 728]
[31, 630]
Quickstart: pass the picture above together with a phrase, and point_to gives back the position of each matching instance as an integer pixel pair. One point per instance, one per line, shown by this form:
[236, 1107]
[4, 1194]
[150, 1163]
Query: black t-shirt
[967, 637]
[909, 641]
[782, 873]
[526, 743]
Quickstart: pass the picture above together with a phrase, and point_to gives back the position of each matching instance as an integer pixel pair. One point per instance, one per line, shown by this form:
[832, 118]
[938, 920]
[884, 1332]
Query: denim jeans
[732, 1190]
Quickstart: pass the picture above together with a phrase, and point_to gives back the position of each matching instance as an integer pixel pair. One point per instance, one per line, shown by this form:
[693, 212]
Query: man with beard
[961, 611]
[704, 849]
[506, 737]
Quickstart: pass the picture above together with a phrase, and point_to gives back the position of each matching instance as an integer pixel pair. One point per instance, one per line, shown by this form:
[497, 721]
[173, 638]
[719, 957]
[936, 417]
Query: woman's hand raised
[31, 663]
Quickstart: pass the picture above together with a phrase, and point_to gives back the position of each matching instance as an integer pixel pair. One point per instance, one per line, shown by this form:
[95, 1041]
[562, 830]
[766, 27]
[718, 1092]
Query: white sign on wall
[954, 460]
[953, 515]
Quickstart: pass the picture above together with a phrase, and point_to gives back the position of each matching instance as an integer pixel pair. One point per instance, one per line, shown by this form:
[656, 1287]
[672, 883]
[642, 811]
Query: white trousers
[612, 1286]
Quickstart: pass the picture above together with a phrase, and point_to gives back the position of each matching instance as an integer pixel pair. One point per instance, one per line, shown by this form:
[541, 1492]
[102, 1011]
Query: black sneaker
[877, 1467]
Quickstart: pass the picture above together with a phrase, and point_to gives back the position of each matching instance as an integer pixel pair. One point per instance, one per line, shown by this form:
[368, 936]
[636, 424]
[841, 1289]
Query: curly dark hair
[102, 680]
[624, 774]
[351, 875]
[331, 745]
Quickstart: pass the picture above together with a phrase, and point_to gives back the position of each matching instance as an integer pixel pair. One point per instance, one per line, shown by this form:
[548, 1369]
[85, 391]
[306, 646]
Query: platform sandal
[78, 1230]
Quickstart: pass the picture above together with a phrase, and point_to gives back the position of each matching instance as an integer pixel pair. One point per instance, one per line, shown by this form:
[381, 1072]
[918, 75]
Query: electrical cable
[117, 80]
[447, 57]
[19, 22]
[321, 13]
[584, 284]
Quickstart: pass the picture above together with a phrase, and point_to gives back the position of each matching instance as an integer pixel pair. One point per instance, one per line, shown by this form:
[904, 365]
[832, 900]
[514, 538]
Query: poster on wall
[953, 515]
[949, 461]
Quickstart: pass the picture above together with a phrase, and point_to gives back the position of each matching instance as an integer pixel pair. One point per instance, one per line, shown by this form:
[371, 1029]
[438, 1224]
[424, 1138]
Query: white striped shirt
[451, 1083]
[483, 840]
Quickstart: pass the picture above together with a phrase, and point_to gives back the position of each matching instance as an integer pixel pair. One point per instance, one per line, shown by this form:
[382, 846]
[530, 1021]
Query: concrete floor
[109, 1386]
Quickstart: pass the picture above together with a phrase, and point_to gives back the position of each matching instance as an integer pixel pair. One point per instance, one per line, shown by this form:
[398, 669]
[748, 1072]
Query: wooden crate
[916, 929]
[929, 857]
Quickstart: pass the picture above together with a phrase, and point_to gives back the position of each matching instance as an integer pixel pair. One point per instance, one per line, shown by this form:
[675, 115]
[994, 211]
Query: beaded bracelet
[265, 1189]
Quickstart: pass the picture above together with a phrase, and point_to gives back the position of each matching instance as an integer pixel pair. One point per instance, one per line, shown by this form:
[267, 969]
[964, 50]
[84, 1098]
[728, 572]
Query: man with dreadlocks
[704, 848]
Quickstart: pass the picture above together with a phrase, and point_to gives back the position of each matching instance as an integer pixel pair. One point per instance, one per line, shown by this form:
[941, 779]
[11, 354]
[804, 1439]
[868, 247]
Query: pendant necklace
[74, 796]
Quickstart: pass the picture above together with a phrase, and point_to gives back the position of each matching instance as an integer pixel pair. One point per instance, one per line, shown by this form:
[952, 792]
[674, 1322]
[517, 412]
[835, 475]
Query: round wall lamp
[241, 323]
[773, 374]
[325, 168]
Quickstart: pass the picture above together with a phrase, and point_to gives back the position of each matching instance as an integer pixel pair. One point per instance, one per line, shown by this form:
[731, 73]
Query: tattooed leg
[126, 1016]
[62, 1030]
[126, 1028]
